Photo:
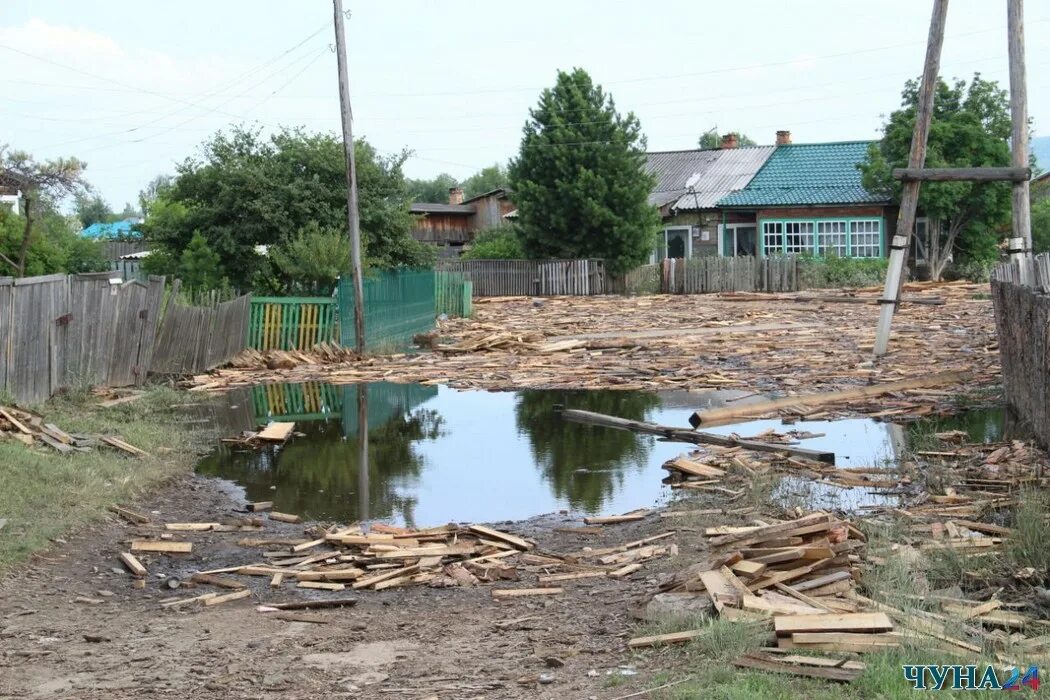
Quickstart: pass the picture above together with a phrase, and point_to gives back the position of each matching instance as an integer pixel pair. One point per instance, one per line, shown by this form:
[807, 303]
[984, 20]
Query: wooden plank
[503, 536]
[191, 527]
[163, 546]
[815, 400]
[662, 639]
[276, 432]
[761, 663]
[979, 174]
[719, 588]
[458, 549]
[525, 592]
[133, 564]
[748, 568]
[226, 598]
[554, 578]
[379, 578]
[785, 625]
[314, 604]
[780, 530]
[123, 446]
[615, 519]
[322, 585]
[220, 581]
[888, 639]
[285, 517]
[625, 570]
[129, 515]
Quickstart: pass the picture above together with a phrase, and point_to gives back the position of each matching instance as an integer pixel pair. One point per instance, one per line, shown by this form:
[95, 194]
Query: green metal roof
[808, 174]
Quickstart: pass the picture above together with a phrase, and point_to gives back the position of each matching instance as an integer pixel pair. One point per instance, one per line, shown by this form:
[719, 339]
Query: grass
[46, 495]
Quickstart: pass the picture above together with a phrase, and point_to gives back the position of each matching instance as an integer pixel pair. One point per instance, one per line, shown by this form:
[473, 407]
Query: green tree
[712, 139]
[92, 209]
[495, 244]
[432, 190]
[56, 245]
[485, 180]
[1041, 226]
[970, 128]
[579, 180]
[312, 259]
[199, 265]
[154, 189]
[247, 190]
[42, 183]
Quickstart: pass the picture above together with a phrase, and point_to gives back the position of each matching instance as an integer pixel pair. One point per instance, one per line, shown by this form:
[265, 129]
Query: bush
[818, 273]
[312, 259]
[495, 244]
[970, 270]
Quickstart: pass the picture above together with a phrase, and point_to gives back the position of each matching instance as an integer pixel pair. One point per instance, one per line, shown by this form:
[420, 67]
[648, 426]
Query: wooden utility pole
[1021, 243]
[910, 189]
[352, 218]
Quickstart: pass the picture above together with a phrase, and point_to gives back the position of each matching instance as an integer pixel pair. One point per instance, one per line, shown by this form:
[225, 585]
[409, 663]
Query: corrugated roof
[502, 191]
[808, 174]
[434, 208]
[719, 171]
[117, 229]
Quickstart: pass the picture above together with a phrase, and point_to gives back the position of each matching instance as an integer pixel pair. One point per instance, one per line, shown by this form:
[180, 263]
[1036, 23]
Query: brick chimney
[455, 195]
[729, 141]
[783, 137]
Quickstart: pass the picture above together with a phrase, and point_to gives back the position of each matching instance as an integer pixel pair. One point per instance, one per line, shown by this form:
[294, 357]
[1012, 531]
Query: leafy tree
[495, 244]
[247, 190]
[56, 245]
[92, 209]
[432, 190]
[970, 128]
[149, 194]
[579, 180]
[712, 139]
[485, 180]
[312, 259]
[199, 265]
[1041, 226]
[41, 184]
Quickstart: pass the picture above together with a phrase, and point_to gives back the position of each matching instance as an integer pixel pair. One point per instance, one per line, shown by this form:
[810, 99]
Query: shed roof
[499, 192]
[435, 208]
[716, 172]
[808, 174]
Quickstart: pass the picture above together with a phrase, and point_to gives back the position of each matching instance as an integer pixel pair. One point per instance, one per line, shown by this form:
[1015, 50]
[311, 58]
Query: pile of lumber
[31, 429]
[320, 354]
[493, 338]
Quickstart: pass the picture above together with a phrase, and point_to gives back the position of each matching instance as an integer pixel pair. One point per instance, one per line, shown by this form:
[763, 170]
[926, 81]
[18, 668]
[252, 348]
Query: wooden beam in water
[691, 436]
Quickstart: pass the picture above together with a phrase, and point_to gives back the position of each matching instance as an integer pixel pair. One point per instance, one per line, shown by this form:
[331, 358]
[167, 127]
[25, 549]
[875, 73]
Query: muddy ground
[73, 626]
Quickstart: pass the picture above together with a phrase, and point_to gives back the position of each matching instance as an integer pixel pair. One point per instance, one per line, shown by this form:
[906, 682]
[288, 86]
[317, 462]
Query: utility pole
[353, 221]
[1021, 243]
[910, 190]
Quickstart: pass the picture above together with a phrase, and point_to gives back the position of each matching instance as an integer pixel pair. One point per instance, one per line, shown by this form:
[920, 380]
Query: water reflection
[425, 455]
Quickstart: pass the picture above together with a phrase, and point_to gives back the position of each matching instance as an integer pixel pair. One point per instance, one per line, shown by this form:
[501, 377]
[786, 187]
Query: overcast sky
[133, 87]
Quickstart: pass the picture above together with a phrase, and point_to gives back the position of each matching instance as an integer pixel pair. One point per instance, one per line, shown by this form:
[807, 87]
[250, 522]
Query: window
[866, 238]
[772, 237]
[798, 237]
[831, 238]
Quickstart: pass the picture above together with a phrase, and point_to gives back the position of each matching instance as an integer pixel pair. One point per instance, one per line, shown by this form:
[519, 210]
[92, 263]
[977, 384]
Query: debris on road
[30, 428]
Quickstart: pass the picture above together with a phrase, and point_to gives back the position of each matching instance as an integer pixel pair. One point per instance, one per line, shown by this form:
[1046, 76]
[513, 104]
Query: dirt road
[73, 626]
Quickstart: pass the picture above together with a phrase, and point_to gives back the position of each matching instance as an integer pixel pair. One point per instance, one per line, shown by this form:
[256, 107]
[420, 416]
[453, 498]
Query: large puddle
[437, 455]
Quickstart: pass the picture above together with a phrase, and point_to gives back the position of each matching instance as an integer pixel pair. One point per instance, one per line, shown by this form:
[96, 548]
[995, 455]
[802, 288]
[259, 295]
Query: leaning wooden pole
[352, 218]
[1021, 242]
[910, 188]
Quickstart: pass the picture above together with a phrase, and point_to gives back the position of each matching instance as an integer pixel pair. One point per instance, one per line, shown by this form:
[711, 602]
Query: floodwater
[435, 455]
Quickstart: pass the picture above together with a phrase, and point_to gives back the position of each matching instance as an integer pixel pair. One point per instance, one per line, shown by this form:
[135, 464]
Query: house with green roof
[807, 198]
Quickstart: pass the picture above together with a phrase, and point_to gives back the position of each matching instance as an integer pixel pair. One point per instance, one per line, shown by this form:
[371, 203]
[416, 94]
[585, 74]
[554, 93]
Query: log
[284, 517]
[1009, 174]
[715, 415]
[691, 436]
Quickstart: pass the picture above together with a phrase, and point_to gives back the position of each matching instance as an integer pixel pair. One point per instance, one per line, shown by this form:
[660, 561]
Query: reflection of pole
[362, 453]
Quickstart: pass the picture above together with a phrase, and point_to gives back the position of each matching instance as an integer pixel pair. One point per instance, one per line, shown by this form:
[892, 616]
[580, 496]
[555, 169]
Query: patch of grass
[45, 494]
[1029, 544]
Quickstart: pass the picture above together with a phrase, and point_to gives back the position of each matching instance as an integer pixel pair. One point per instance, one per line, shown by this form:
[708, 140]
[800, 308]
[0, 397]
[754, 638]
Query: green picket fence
[291, 323]
[453, 294]
[398, 304]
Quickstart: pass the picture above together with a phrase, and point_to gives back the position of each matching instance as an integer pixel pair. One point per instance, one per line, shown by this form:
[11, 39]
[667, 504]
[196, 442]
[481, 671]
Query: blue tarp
[118, 229]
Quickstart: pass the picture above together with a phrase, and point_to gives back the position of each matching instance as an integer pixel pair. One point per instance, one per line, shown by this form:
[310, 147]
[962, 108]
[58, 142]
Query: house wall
[442, 228]
[490, 211]
[703, 232]
[855, 217]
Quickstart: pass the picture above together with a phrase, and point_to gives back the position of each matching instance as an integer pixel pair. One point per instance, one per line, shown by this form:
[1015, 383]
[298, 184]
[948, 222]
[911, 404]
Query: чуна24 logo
[959, 677]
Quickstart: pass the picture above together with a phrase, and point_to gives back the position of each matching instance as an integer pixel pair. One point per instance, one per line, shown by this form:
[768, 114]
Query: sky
[134, 87]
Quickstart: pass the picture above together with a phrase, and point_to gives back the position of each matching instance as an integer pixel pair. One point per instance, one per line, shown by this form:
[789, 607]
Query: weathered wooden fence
[1022, 319]
[492, 278]
[60, 330]
[741, 274]
[291, 323]
[453, 294]
[194, 339]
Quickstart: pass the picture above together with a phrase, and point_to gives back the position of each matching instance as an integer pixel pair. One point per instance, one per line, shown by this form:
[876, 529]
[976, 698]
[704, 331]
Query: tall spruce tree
[579, 181]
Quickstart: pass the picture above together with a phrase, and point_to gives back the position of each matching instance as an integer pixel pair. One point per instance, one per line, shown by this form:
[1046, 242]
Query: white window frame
[773, 229]
[869, 248]
[799, 237]
[835, 240]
